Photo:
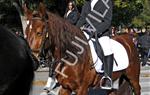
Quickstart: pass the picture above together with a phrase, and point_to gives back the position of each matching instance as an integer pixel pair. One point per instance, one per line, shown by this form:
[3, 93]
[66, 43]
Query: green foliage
[137, 22]
[143, 20]
[145, 15]
[79, 2]
[125, 11]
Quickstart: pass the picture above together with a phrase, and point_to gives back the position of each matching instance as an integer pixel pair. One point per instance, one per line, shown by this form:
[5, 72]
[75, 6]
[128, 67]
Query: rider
[96, 16]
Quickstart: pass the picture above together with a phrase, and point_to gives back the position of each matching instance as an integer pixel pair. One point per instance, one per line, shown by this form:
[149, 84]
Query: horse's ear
[27, 12]
[42, 9]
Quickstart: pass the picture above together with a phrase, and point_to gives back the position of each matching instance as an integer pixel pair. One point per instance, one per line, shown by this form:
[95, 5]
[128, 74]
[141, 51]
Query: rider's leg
[108, 62]
[107, 81]
[51, 82]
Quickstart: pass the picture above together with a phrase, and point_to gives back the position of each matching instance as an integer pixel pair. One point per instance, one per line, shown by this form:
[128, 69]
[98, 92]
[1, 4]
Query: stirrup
[106, 87]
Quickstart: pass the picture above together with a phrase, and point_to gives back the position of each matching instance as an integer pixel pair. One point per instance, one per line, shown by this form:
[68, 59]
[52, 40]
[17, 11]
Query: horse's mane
[65, 33]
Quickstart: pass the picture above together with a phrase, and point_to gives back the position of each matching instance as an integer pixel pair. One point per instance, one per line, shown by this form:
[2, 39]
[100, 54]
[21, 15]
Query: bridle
[45, 57]
[40, 54]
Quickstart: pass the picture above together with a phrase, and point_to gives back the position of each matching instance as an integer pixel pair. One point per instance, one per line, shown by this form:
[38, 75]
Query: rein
[45, 37]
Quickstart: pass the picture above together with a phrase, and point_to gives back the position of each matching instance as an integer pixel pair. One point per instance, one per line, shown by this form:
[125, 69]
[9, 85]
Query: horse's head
[36, 29]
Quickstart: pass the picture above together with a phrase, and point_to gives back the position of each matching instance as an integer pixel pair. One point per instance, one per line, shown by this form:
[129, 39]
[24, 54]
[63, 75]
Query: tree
[144, 17]
[125, 11]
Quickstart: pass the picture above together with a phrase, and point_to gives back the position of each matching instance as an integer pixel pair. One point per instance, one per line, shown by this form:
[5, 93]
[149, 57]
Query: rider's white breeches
[106, 45]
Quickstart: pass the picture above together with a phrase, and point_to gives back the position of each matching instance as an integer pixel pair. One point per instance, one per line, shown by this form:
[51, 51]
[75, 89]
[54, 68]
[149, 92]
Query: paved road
[145, 80]
[39, 82]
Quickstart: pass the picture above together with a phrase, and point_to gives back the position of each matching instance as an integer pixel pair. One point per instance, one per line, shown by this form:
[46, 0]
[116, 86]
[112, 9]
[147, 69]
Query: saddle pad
[120, 55]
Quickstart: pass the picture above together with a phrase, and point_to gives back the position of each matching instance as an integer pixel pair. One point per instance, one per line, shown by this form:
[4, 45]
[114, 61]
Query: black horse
[16, 64]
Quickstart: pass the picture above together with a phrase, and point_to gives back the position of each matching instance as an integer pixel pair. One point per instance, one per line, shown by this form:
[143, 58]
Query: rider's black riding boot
[106, 81]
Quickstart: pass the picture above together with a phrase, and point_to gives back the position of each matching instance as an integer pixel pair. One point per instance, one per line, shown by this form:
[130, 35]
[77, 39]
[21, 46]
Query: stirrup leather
[106, 87]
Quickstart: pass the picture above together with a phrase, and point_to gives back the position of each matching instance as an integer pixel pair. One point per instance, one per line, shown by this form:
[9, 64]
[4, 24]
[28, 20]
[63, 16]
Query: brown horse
[72, 54]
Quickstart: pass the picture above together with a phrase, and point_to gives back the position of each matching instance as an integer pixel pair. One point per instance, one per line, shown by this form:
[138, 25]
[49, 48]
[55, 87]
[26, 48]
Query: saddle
[121, 60]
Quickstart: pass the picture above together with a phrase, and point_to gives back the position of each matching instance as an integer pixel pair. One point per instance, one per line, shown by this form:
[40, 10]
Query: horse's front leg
[64, 91]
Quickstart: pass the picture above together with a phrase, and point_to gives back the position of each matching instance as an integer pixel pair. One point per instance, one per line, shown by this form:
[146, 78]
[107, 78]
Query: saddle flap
[120, 55]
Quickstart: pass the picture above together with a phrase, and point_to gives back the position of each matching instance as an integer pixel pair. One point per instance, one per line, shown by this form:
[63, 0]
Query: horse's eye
[39, 33]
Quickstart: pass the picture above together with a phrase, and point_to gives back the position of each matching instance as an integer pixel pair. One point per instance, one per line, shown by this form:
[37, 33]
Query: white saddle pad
[120, 56]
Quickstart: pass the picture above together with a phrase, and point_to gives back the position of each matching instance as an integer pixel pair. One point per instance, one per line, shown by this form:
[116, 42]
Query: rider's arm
[84, 12]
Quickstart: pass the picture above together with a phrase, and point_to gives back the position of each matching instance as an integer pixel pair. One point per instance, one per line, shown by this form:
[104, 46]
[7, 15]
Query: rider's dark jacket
[100, 16]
